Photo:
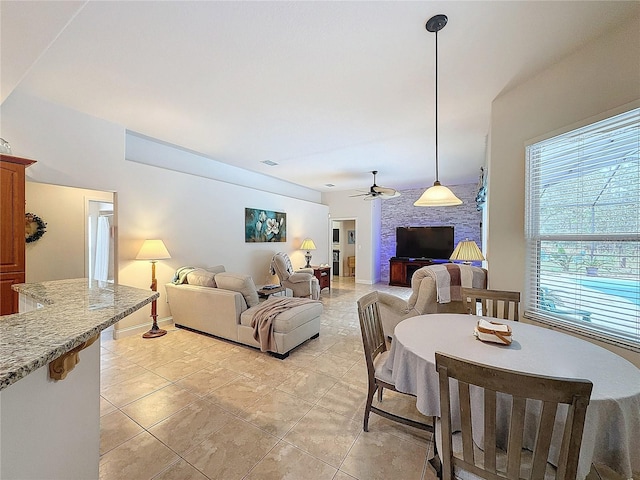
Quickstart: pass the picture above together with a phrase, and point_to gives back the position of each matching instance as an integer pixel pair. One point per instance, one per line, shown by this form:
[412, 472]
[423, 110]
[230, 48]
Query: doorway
[344, 247]
[100, 235]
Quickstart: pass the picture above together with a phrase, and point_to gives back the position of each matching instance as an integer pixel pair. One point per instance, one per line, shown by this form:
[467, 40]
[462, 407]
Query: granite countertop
[73, 311]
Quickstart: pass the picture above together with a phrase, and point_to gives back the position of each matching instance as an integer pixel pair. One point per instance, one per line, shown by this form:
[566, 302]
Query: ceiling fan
[378, 192]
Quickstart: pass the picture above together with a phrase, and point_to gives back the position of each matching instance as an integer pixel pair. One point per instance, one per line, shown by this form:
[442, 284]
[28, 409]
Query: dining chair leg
[380, 394]
[367, 409]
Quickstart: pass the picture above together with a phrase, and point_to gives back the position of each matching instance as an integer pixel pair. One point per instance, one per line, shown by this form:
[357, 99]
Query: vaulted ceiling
[327, 90]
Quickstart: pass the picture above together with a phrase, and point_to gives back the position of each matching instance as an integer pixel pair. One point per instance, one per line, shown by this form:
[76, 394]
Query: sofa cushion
[288, 320]
[240, 283]
[201, 277]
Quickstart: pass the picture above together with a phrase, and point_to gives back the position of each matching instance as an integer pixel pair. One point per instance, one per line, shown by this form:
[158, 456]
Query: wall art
[264, 225]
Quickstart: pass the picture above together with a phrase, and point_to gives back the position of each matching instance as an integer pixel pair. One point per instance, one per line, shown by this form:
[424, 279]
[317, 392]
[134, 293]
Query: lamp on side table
[153, 250]
[467, 251]
[307, 244]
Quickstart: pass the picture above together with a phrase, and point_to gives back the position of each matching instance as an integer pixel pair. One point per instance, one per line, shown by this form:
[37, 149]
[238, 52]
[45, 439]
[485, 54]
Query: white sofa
[222, 304]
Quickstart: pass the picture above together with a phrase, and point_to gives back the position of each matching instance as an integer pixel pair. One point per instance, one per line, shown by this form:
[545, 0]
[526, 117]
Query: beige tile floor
[188, 406]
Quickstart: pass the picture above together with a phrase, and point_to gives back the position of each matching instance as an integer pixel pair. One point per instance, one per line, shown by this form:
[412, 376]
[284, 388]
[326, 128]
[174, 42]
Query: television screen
[424, 242]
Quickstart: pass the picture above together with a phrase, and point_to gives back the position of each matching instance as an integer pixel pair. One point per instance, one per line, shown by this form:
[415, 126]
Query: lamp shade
[437, 196]
[307, 244]
[467, 251]
[153, 250]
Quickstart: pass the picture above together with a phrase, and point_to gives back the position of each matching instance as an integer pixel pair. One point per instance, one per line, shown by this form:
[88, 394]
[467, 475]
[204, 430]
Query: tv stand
[401, 269]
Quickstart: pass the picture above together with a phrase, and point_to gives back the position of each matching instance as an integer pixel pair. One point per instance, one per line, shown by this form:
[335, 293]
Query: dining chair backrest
[371, 327]
[518, 388]
[495, 303]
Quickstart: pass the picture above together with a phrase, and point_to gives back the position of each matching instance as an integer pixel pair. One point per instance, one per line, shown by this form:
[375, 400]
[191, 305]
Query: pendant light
[438, 195]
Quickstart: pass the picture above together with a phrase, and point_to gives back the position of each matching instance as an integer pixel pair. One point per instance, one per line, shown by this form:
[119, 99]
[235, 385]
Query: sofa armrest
[392, 311]
[299, 277]
[207, 309]
[305, 270]
[392, 302]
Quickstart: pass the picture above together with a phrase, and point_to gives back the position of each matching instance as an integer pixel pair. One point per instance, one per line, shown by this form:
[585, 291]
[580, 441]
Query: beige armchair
[423, 298]
[302, 282]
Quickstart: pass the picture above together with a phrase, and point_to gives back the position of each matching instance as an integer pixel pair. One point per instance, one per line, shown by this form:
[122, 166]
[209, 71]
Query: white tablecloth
[612, 426]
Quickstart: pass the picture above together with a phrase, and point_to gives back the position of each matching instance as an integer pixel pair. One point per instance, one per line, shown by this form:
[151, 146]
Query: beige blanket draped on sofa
[266, 313]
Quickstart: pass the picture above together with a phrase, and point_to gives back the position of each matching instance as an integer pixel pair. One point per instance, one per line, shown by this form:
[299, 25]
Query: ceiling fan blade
[383, 190]
[392, 195]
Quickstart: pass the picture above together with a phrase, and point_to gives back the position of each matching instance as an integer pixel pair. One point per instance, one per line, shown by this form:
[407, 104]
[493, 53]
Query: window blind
[582, 230]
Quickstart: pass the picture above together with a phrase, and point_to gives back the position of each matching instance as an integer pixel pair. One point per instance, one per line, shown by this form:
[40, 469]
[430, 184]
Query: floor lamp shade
[153, 250]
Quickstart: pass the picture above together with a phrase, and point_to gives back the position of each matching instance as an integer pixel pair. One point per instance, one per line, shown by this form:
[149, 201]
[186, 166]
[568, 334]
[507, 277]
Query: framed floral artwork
[264, 225]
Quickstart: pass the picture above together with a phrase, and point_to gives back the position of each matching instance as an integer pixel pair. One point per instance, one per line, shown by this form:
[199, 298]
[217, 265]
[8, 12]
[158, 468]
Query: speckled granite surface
[73, 311]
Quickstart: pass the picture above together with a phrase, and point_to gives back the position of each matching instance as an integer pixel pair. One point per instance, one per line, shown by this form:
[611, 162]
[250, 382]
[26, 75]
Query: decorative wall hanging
[481, 197]
[34, 227]
[5, 147]
[264, 226]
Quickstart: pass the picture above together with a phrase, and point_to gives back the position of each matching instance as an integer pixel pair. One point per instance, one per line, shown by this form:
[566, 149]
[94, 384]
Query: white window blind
[582, 229]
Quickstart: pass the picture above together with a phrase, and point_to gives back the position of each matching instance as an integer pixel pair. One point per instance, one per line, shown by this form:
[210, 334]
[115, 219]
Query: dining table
[612, 425]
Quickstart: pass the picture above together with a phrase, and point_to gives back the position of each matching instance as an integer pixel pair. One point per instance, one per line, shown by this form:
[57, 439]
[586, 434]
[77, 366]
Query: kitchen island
[50, 376]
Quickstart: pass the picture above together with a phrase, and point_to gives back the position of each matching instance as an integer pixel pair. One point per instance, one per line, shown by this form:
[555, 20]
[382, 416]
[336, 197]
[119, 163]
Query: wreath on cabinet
[34, 227]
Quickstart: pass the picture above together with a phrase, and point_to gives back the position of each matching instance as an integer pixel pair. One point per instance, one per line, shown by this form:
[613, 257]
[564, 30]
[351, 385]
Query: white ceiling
[328, 90]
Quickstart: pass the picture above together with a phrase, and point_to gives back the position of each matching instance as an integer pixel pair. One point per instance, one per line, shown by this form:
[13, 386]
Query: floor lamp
[153, 250]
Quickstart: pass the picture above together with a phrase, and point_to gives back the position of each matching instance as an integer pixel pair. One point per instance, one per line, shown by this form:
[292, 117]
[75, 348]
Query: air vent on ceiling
[269, 162]
[329, 185]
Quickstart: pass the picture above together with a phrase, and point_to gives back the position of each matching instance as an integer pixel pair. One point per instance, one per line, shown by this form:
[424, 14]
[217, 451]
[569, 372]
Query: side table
[323, 274]
[267, 292]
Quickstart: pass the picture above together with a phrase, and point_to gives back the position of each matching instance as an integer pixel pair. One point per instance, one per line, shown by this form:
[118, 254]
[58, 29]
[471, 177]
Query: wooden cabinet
[323, 274]
[401, 270]
[12, 241]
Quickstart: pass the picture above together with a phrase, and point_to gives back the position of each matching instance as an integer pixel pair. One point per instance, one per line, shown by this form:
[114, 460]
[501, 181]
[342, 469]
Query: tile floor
[188, 406]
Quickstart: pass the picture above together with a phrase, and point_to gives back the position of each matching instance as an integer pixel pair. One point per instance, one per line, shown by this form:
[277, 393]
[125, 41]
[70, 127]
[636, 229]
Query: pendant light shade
[438, 195]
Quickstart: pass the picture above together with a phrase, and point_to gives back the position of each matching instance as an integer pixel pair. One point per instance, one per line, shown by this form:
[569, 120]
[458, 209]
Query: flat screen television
[424, 242]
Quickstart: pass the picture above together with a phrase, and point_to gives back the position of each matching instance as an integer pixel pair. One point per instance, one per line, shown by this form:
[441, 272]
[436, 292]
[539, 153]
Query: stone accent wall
[400, 212]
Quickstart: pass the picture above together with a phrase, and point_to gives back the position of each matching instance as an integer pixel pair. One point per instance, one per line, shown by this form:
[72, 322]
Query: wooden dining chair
[495, 303]
[376, 353]
[459, 452]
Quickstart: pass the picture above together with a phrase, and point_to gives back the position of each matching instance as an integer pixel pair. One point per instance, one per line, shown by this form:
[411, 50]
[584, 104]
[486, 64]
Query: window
[583, 230]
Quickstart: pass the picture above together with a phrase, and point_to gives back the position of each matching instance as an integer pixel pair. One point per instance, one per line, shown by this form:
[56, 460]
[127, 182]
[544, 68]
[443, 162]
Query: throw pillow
[240, 283]
[216, 269]
[201, 277]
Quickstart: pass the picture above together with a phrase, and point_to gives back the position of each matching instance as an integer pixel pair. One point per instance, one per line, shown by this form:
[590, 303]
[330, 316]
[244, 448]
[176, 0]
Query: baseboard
[166, 322]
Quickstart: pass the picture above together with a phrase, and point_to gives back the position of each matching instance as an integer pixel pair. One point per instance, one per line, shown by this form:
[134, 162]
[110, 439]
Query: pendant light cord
[437, 106]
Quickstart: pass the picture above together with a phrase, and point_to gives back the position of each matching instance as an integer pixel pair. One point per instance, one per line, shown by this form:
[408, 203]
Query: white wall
[200, 220]
[61, 252]
[599, 77]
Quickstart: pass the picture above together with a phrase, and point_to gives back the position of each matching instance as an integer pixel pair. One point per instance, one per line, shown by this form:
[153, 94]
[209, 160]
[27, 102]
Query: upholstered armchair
[424, 296]
[302, 282]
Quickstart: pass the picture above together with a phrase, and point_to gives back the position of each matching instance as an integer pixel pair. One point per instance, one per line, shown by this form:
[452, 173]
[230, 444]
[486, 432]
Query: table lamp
[153, 250]
[307, 244]
[467, 251]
